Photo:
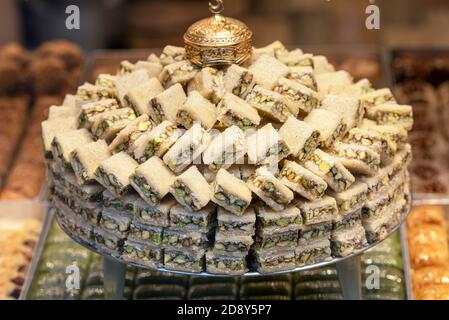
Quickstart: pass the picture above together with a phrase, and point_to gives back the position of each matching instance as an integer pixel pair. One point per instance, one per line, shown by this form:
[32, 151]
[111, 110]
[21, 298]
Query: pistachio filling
[234, 226]
[338, 132]
[110, 120]
[227, 157]
[393, 117]
[305, 79]
[189, 219]
[225, 263]
[355, 201]
[317, 232]
[154, 144]
[346, 223]
[316, 213]
[183, 240]
[345, 247]
[278, 239]
[149, 214]
[83, 232]
[142, 253]
[331, 171]
[79, 169]
[77, 190]
[273, 261]
[99, 93]
[145, 188]
[184, 195]
[307, 101]
[60, 154]
[378, 143]
[126, 67]
[368, 212]
[172, 55]
[119, 205]
[308, 185]
[377, 235]
[269, 190]
[375, 101]
[105, 82]
[232, 118]
[280, 222]
[111, 181]
[109, 242]
[243, 85]
[280, 150]
[183, 260]
[146, 233]
[271, 105]
[88, 115]
[183, 72]
[90, 214]
[158, 110]
[361, 155]
[230, 200]
[185, 156]
[185, 119]
[112, 224]
[128, 140]
[314, 255]
[232, 246]
[309, 146]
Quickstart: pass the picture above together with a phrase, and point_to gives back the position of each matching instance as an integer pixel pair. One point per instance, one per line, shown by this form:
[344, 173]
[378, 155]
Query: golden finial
[216, 7]
[217, 40]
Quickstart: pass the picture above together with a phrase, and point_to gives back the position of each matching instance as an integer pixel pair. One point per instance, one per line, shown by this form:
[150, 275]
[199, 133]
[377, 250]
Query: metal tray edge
[37, 254]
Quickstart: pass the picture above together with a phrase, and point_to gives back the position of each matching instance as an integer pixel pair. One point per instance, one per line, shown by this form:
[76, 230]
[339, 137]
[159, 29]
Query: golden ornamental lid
[218, 40]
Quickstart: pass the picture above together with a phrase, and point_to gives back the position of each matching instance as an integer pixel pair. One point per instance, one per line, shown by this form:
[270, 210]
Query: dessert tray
[258, 161]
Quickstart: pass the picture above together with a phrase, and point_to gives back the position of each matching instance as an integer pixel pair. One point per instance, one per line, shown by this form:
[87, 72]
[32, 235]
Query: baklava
[196, 109]
[113, 173]
[166, 104]
[225, 149]
[139, 98]
[330, 169]
[392, 114]
[233, 110]
[86, 159]
[301, 137]
[65, 142]
[187, 149]
[267, 71]
[351, 199]
[238, 80]
[303, 97]
[191, 190]
[328, 124]
[90, 111]
[128, 135]
[231, 193]
[268, 188]
[272, 104]
[108, 124]
[357, 158]
[178, 73]
[266, 146]
[321, 211]
[152, 180]
[155, 142]
[302, 181]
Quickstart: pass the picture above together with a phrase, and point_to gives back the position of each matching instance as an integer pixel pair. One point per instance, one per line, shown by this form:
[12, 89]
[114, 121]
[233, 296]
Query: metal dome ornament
[218, 40]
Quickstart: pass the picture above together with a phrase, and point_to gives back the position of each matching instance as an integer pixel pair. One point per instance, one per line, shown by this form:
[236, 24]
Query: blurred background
[154, 23]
